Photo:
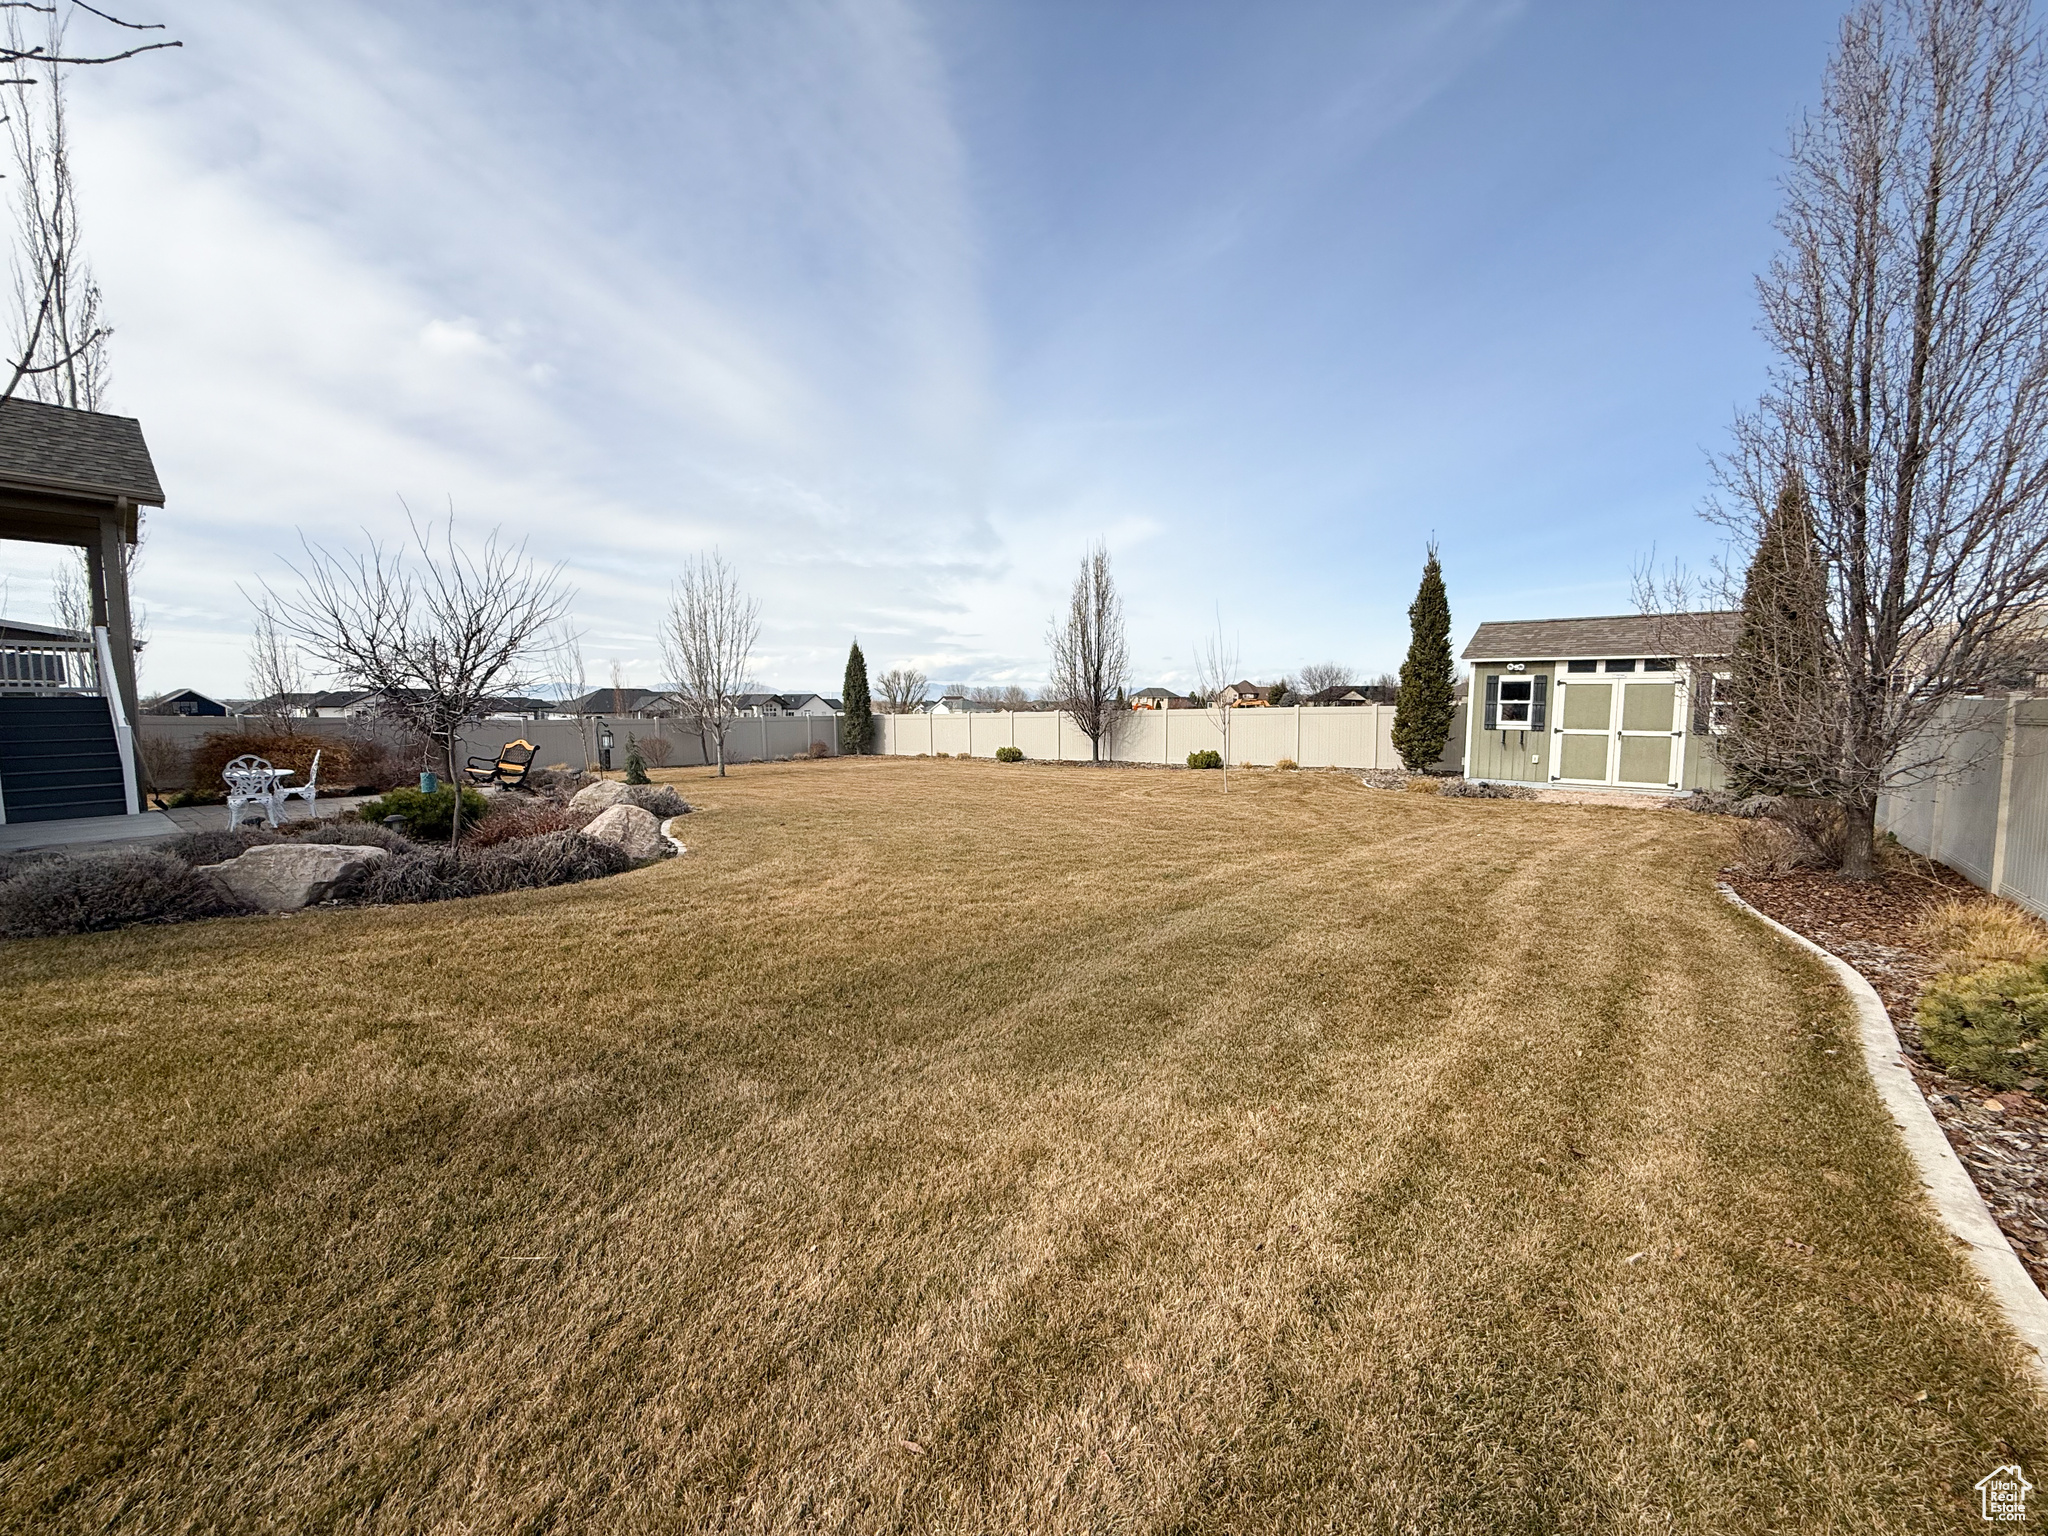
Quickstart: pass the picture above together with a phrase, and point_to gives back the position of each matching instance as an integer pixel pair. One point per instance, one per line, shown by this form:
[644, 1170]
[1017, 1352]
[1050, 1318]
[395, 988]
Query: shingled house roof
[1628, 634]
[53, 448]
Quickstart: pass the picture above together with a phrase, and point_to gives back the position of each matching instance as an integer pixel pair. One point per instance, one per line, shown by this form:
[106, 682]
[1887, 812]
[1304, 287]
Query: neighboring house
[296, 705]
[1592, 702]
[184, 701]
[518, 709]
[1244, 695]
[1160, 698]
[759, 706]
[621, 704]
[1350, 696]
[956, 704]
[809, 704]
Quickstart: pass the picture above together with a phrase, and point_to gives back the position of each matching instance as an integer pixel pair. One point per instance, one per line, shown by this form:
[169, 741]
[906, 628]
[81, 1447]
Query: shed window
[1582, 666]
[1720, 693]
[1660, 664]
[1516, 703]
[1621, 666]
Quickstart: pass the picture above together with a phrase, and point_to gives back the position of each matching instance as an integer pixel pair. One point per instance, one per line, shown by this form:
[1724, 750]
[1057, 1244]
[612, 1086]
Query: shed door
[1647, 737]
[1585, 732]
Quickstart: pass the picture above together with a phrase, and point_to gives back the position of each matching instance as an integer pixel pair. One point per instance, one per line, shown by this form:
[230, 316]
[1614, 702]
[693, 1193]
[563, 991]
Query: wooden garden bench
[508, 769]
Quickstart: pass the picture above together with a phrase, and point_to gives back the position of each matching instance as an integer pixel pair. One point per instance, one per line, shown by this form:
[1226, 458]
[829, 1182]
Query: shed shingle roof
[89, 452]
[1628, 634]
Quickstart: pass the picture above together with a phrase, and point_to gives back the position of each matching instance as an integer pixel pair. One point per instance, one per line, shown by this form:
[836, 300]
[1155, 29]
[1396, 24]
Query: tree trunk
[455, 789]
[1859, 840]
[721, 754]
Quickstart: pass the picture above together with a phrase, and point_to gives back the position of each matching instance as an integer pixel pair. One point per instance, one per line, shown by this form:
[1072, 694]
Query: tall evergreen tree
[857, 724]
[1422, 712]
[1781, 720]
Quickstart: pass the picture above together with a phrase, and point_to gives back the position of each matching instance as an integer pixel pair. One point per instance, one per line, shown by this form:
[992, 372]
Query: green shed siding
[1523, 756]
[1591, 703]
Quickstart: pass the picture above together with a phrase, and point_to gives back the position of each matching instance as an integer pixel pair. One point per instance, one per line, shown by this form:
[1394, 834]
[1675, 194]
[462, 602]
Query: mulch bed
[2002, 1137]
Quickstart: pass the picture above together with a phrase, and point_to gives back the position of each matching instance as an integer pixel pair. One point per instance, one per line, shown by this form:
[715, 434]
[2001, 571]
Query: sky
[900, 306]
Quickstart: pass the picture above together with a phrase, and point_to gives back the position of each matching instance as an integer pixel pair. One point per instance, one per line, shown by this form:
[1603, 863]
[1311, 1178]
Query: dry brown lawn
[956, 1147]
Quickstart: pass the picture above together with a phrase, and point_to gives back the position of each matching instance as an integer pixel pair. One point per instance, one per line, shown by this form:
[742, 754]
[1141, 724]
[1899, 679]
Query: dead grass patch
[945, 1149]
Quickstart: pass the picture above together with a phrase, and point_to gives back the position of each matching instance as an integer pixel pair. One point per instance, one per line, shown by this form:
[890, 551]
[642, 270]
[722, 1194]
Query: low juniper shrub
[116, 889]
[428, 818]
[1205, 759]
[1009, 754]
[1988, 1026]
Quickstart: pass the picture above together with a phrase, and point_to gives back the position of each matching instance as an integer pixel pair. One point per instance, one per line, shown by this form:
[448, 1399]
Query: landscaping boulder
[282, 877]
[656, 799]
[634, 832]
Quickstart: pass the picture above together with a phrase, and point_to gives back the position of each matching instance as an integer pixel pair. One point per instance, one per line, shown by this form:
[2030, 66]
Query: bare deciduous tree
[1909, 311]
[59, 349]
[1320, 675]
[707, 644]
[275, 676]
[903, 690]
[438, 633]
[1215, 669]
[1091, 660]
[999, 695]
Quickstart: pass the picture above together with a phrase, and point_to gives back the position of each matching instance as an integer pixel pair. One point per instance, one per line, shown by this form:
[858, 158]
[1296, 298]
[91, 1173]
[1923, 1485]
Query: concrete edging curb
[669, 837]
[1956, 1200]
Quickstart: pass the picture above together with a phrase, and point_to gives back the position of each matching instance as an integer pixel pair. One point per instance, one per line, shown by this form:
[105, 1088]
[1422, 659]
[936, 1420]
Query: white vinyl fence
[1986, 814]
[1359, 736]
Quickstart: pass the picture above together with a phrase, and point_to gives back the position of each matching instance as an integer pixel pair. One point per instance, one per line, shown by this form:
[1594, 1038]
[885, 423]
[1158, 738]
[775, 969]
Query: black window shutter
[1536, 708]
[1492, 703]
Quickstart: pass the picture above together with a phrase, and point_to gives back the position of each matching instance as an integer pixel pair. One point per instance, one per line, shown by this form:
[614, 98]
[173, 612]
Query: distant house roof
[1341, 693]
[611, 701]
[192, 701]
[1630, 634]
[88, 453]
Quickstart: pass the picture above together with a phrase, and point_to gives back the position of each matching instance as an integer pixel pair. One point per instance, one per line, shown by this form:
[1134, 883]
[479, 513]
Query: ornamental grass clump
[1987, 1026]
[1971, 934]
[96, 891]
[1482, 789]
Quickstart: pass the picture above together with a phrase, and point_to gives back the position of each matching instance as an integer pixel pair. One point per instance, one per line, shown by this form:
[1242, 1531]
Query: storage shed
[1599, 702]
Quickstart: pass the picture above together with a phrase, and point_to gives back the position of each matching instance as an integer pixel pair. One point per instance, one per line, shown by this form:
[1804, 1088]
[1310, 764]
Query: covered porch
[68, 698]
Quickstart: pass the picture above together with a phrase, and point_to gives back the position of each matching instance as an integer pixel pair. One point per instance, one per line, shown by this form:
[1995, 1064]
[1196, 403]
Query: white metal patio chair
[308, 791]
[251, 781]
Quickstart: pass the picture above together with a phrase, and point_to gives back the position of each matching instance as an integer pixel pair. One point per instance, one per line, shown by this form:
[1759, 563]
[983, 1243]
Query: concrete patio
[128, 831]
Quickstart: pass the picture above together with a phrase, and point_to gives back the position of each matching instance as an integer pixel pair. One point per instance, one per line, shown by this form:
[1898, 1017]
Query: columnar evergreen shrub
[1780, 725]
[857, 724]
[1422, 713]
[636, 762]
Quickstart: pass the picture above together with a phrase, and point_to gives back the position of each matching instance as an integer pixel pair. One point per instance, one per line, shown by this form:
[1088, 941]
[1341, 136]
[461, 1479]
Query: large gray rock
[656, 799]
[283, 877]
[626, 827]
